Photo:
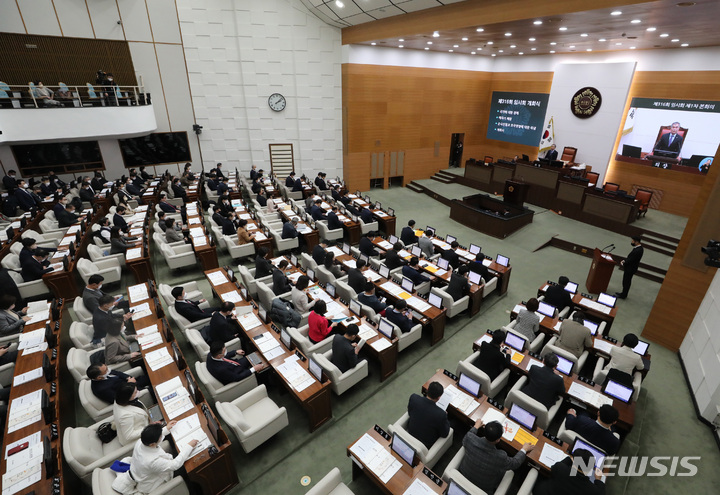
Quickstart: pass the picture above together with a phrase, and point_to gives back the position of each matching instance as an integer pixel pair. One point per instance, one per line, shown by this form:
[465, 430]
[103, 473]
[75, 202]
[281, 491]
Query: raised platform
[490, 216]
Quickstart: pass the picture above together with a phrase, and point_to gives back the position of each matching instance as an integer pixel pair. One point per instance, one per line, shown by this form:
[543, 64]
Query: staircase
[415, 187]
[444, 177]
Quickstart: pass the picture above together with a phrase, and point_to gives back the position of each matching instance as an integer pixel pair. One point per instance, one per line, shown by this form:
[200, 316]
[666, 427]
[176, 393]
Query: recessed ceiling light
[571, 46]
[584, 35]
[450, 51]
[427, 48]
[429, 42]
[479, 30]
[521, 53]
[513, 46]
[339, 4]
[635, 21]
[685, 44]
[537, 23]
[456, 46]
[664, 35]
[464, 39]
[533, 49]
[632, 47]
[553, 43]
[602, 39]
[675, 40]
[401, 46]
[588, 49]
[479, 49]
[490, 42]
[552, 51]
[651, 29]
[501, 51]
[508, 34]
[616, 12]
[472, 53]
[436, 34]
[618, 44]
[494, 55]
[531, 39]
[401, 40]
[562, 28]
[373, 43]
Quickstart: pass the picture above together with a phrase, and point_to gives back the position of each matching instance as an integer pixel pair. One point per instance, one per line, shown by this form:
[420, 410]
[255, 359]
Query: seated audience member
[7, 356]
[261, 197]
[281, 285]
[119, 244]
[318, 254]
[345, 198]
[133, 188]
[93, 292]
[426, 245]
[401, 316]
[117, 345]
[219, 171]
[574, 337]
[345, 349]
[60, 206]
[103, 318]
[167, 207]
[212, 181]
[223, 324]
[144, 175]
[68, 217]
[624, 361]
[10, 181]
[160, 220]
[335, 191]
[290, 180]
[493, 359]
[329, 264]
[393, 259]
[298, 186]
[46, 188]
[218, 215]
[256, 186]
[557, 296]
[119, 221]
[299, 297]
[190, 310]
[412, 271]
[263, 266]
[427, 421]
[11, 321]
[242, 233]
[46, 96]
[173, 232]
[86, 193]
[54, 179]
[289, 230]
[598, 432]
[320, 181]
[229, 367]
[568, 477]
[459, 285]
[178, 190]
[407, 234]
[317, 212]
[152, 467]
[356, 279]
[98, 182]
[28, 249]
[366, 246]
[223, 187]
[484, 464]
[450, 255]
[105, 382]
[527, 321]
[319, 327]
[34, 268]
[366, 215]
[334, 222]
[368, 298]
[105, 230]
[478, 267]
[543, 384]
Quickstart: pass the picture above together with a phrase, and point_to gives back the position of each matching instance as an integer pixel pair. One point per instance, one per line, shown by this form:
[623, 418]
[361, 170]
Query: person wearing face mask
[10, 181]
[45, 95]
[23, 196]
[93, 292]
[105, 382]
[130, 415]
[110, 89]
[29, 247]
[631, 265]
[60, 206]
[47, 188]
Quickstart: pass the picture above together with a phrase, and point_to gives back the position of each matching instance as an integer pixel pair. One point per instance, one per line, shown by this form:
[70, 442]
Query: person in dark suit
[54, 179]
[565, 478]
[255, 186]
[459, 286]
[320, 181]
[228, 367]
[105, 382]
[223, 324]
[356, 279]
[103, 317]
[393, 259]
[253, 172]
[450, 255]
[366, 215]
[28, 250]
[119, 221]
[24, 198]
[228, 224]
[261, 197]
[670, 141]
[631, 265]
[598, 432]
[368, 298]
[290, 180]
[345, 199]
[366, 246]
[86, 194]
[263, 266]
[34, 268]
[68, 217]
[190, 310]
[59, 206]
[317, 212]
[407, 234]
[219, 172]
[552, 153]
[427, 421]
[144, 175]
[10, 182]
[492, 359]
[400, 316]
[345, 349]
[281, 285]
[335, 191]
[557, 296]
[212, 182]
[298, 186]
[543, 384]
[318, 254]
[223, 187]
[178, 190]
[289, 230]
[333, 220]
[478, 267]
[133, 188]
[92, 293]
[165, 206]
[412, 271]
[98, 182]
[46, 188]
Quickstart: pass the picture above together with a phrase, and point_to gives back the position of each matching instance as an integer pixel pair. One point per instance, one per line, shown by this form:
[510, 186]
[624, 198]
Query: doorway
[456, 149]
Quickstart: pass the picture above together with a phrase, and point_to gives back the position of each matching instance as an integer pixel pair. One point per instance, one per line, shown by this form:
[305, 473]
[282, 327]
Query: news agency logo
[635, 466]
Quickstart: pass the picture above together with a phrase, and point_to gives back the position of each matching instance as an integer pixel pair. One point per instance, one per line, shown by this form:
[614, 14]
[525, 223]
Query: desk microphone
[612, 248]
[608, 246]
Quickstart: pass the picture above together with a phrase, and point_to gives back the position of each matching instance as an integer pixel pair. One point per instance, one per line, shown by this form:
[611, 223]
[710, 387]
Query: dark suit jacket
[544, 385]
[58, 208]
[47, 190]
[632, 262]
[262, 200]
[492, 361]
[101, 322]
[290, 181]
[225, 372]
[179, 191]
[407, 235]
[333, 221]
[10, 183]
[25, 199]
[222, 329]
[211, 184]
[66, 219]
[253, 174]
[87, 195]
[414, 275]
[356, 280]
[119, 221]
[320, 183]
[343, 353]
[280, 282]
[452, 257]
[105, 389]
[558, 297]
[33, 270]
[289, 231]
[219, 174]
[366, 215]
[222, 188]
[401, 321]
[372, 302]
[263, 267]
[317, 213]
[167, 207]
[458, 287]
[591, 431]
[97, 183]
[675, 146]
[336, 195]
[563, 482]
[478, 267]
[393, 260]
[190, 311]
[427, 421]
[91, 299]
[135, 190]
[367, 247]
[551, 155]
[298, 186]
[318, 254]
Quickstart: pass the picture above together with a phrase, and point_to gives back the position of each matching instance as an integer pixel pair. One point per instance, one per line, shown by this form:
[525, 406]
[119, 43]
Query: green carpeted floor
[665, 423]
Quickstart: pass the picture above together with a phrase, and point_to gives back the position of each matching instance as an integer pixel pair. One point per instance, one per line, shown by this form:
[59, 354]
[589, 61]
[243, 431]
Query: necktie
[234, 363]
[670, 139]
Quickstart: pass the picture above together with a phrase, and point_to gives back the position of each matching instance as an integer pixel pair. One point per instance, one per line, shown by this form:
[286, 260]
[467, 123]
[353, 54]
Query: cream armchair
[192, 293]
[29, 290]
[236, 250]
[81, 336]
[535, 345]
[599, 376]
[97, 253]
[340, 382]
[489, 387]
[368, 227]
[84, 452]
[108, 268]
[82, 314]
[543, 414]
[102, 480]
[331, 484]
[183, 322]
[178, 257]
[430, 456]
[220, 392]
[453, 307]
[405, 340]
[202, 348]
[300, 337]
[254, 417]
[284, 244]
[78, 361]
[452, 473]
[578, 363]
[326, 234]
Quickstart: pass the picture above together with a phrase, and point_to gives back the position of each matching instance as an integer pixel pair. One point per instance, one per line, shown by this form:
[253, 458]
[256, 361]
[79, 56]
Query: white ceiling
[355, 12]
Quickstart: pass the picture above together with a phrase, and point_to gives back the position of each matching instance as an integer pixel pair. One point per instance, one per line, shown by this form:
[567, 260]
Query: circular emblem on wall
[585, 102]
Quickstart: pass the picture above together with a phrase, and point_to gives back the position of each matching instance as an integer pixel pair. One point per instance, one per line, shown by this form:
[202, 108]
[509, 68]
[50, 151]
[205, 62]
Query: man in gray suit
[484, 464]
[426, 244]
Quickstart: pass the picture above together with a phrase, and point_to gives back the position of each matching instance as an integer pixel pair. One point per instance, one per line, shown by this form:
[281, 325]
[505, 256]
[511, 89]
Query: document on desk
[336, 251]
[249, 321]
[38, 317]
[350, 263]
[233, 296]
[199, 240]
[380, 344]
[196, 232]
[418, 487]
[367, 332]
[551, 454]
[260, 237]
[385, 245]
[372, 275]
[137, 293]
[31, 339]
[150, 340]
[136, 232]
[485, 338]
[417, 303]
[304, 229]
[37, 307]
[24, 411]
[21, 478]
[175, 397]
[276, 261]
[158, 359]
[265, 342]
[517, 357]
[317, 293]
[141, 311]
[404, 254]
[603, 345]
[297, 376]
[27, 377]
[391, 287]
[188, 429]
[523, 436]
[335, 310]
[518, 307]
[41, 347]
[531, 363]
[588, 395]
[133, 253]
[217, 278]
[144, 332]
[293, 277]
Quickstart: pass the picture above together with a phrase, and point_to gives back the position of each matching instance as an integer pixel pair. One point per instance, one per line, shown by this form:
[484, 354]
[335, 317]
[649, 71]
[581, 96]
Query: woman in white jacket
[130, 415]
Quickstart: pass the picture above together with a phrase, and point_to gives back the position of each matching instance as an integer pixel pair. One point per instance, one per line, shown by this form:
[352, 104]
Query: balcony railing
[30, 96]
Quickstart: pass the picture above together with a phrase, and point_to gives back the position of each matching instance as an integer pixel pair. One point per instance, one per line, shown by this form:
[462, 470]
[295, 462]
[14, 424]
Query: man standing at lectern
[631, 265]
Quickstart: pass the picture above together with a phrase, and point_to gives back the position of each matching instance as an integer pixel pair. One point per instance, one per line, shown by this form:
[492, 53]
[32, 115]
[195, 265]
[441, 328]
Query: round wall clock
[585, 102]
[277, 102]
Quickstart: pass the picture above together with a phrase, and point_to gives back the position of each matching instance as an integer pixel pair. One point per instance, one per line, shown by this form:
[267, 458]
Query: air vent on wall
[28, 45]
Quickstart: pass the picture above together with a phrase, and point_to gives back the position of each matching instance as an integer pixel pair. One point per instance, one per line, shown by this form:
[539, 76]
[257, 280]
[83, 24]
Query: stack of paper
[31, 339]
[217, 278]
[138, 293]
[199, 241]
[404, 254]
[350, 263]
[268, 345]
[336, 251]
[188, 429]
[372, 275]
[24, 411]
[233, 296]
[141, 311]
[531, 363]
[260, 237]
[249, 321]
[465, 254]
[297, 376]
[293, 277]
[149, 337]
[174, 397]
[588, 395]
[419, 487]
[317, 293]
[419, 304]
[366, 332]
[385, 245]
[133, 253]
[603, 345]
[23, 468]
[335, 310]
[485, 338]
[158, 359]
[380, 344]
[377, 458]
[27, 377]
[551, 454]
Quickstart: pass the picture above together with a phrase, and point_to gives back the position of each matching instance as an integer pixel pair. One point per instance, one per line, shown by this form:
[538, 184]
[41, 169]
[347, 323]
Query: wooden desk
[205, 250]
[581, 302]
[312, 238]
[487, 215]
[140, 265]
[385, 222]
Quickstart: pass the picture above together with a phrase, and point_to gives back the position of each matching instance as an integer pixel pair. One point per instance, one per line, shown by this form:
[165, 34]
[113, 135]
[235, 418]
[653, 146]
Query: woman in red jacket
[319, 326]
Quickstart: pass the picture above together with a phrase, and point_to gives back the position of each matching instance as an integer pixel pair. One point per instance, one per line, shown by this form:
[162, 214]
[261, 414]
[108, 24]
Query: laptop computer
[618, 391]
[607, 299]
[254, 359]
[641, 348]
[571, 287]
[520, 415]
[591, 325]
[514, 341]
[546, 309]
[564, 366]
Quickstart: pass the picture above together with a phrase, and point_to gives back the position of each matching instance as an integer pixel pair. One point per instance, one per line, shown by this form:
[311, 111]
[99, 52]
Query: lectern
[515, 192]
[600, 272]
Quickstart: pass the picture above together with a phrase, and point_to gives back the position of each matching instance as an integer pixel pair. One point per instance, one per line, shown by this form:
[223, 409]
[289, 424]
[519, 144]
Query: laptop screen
[416, 251]
[450, 239]
[403, 449]
[435, 300]
[475, 278]
[454, 489]
[311, 274]
[315, 369]
[546, 309]
[502, 260]
[391, 212]
[443, 263]
[346, 248]
[285, 338]
[641, 348]
[474, 249]
[408, 285]
[620, 392]
[384, 271]
[607, 299]
[430, 229]
[378, 205]
[571, 287]
[386, 328]
[355, 306]
[598, 454]
[469, 385]
[330, 289]
[564, 366]
[514, 341]
[591, 325]
[392, 239]
[522, 416]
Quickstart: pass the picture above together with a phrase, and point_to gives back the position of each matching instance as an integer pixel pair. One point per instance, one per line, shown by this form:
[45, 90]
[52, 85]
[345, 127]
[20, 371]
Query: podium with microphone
[601, 270]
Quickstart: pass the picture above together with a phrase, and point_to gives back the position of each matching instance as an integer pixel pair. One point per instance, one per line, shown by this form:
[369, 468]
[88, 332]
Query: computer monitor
[525, 418]
[346, 248]
[416, 251]
[598, 454]
[285, 339]
[179, 359]
[607, 299]
[641, 348]
[315, 369]
[546, 309]
[49, 460]
[618, 391]
[355, 307]
[475, 278]
[212, 423]
[330, 289]
[435, 300]
[443, 263]
[365, 258]
[571, 287]
[384, 271]
[9, 233]
[430, 229]
[293, 260]
[192, 386]
[408, 285]
[403, 449]
[469, 385]
[367, 199]
[502, 260]
[311, 274]
[262, 314]
[391, 212]
[450, 239]
[244, 293]
[455, 489]
[515, 341]
[378, 205]
[474, 249]
[631, 151]
[386, 328]
[564, 366]
[591, 325]
[393, 239]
